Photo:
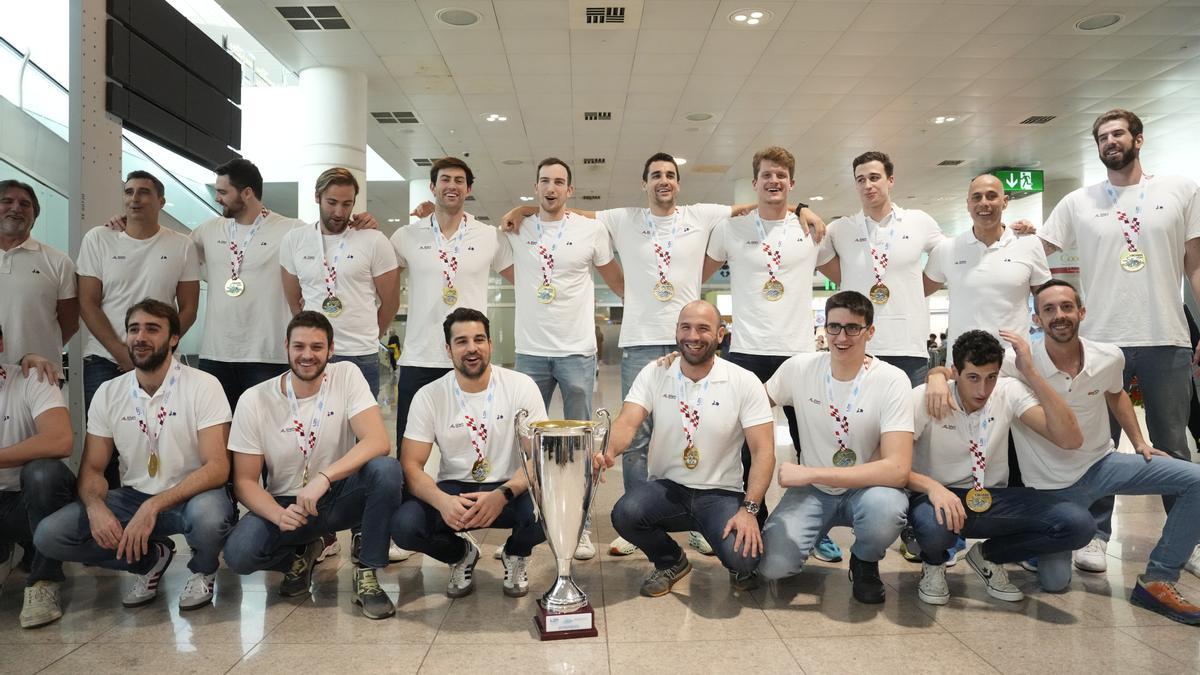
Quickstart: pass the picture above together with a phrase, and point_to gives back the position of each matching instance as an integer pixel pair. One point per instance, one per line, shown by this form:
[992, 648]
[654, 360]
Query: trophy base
[578, 624]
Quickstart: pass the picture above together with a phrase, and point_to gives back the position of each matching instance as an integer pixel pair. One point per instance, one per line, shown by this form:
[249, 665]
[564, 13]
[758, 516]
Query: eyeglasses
[852, 329]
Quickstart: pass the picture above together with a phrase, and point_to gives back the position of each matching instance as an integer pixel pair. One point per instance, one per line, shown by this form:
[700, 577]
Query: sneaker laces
[460, 572]
[299, 566]
[515, 569]
[368, 583]
[41, 593]
[198, 584]
[999, 575]
[1094, 546]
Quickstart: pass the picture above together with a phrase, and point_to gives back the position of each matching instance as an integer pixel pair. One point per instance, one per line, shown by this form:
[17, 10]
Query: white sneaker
[621, 547]
[1193, 563]
[698, 542]
[198, 591]
[462, 580]
[41, 604]
[498, 554]
[332, 547]
[145, 586]
[397, 554]
[585, 550]
[994, 576]
[1093, 557]
[516, 575]
[933, 589]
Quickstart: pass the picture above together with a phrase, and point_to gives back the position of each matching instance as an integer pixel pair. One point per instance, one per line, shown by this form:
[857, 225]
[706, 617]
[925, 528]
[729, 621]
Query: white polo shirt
[778, 328]
[35, 277]
[1046, 466]
[883, 405]
[417, 252]
[567, 325]
[1130, 309]
[22, 399]
[634, 231]
[263, 425]
[941, 448]
[131, 270]
[731, 399]
[197, 403]
[367, 255]
[248, 328]
[989, 285]
[902, 324]
[436, 418]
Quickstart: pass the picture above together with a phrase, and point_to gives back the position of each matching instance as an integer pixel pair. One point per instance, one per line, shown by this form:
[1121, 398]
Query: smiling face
[16, 213]
[772, 183]
[308, 352]
[986, 201]
[141, 200]
[149, 340]
[553, 188]
[873, 184]
[698, 332]
[231, 199]
[450, 190]
[1059, 313]
[662, 183]
[470, 348]
[843, 344]
[1116, 145]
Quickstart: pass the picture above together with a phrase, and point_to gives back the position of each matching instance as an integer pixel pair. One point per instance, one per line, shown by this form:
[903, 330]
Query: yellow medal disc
[978, 499]
[152, 465]
[880, 294]
[1133, 261]
[480, 470]
[691, 457]
[773, 290]
[449, 295]
[546, 293]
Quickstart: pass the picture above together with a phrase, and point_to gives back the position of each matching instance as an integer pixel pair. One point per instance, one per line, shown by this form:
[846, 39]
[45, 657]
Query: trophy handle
[525, 442]
[603, 426]
[524, 433]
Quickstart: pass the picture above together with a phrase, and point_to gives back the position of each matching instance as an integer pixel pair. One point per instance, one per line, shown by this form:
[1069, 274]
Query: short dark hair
[659, 157]
[159, 309]
[977, 347]
[242, 174]
[1051, 284]
[551, 161]
[1134, 122]
[310, 319]
[451, 163]
[146, 175]
[466, 315]
[874, 156]
[854, 301]
[6, 185]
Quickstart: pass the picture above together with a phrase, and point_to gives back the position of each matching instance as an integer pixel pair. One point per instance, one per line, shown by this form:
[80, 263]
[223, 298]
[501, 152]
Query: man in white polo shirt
[39, 306]
[349, 275]
[879, 253]
[168, 424]
[318, 431]
[960, 471]
[704, 409]
[856, 423]
[469, 413]
[35, 437]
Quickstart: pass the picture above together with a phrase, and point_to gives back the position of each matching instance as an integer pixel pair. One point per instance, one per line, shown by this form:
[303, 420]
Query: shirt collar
[30, 244]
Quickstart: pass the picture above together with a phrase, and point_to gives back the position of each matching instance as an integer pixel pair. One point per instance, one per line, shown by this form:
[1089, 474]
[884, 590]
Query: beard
[233, 210]
[472, 372]
[697, 359]
[153, 361]
[309, 378]
[1124, 159]
[1051, 332]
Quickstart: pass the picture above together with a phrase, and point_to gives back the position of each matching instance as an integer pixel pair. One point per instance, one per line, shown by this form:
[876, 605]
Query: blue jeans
[645, 514]
[204, 521]
[575, 374]
[1122, 474]
[236, 377]
[633, 462]
[410, 381]
[916, 367]
[368, 497]
[96, 371]
[804, 515]
[417, 526]
[47, 485]
[368, 365]
[1022, 523]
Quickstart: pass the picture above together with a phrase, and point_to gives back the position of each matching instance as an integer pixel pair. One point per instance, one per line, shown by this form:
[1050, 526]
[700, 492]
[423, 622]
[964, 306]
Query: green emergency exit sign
[1020, 180]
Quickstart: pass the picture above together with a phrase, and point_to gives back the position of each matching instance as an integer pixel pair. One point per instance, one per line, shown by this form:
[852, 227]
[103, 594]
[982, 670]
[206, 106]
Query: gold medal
[1133, 261]
[691, 457]
[978, 499]
[664, 291]
[844, 457]
[880, 294]
[152, 465]
[332, 306]
[304, 476]
[234, 287]
[449, 295]
[480, 470]
[546, 293]
[773, 290]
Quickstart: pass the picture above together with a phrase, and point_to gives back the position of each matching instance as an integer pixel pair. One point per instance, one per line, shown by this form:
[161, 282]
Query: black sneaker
[374, 601]
[660, 581]
[298, 578]
[743, 582]
[867, 586]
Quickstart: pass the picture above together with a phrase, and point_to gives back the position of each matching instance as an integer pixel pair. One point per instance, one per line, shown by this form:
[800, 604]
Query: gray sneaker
[298, 578]
[462, 579]
[743, 582]
[660, 581]
[994, 576]
[933, 589]
[374, 601]
[41, 604]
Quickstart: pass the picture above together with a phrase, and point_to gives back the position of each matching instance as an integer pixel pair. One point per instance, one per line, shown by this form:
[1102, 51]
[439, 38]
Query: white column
[333, 132]
[1063, 264]
[418, 191]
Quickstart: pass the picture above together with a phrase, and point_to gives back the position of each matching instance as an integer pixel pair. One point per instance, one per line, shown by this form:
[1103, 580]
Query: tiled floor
[809, 624]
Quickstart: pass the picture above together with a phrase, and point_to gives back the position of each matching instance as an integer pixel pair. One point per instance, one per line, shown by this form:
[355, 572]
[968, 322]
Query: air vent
[593, 160]
[1037, 119]
[470, 198]
[484, 219]
[313, 17]
[590, 198]
[597, 116]
[424, 161]
[593, 15]
[951, 162]
[395, 118]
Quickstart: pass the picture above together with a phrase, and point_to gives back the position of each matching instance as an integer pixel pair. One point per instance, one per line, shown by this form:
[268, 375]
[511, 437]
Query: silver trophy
[558, 461]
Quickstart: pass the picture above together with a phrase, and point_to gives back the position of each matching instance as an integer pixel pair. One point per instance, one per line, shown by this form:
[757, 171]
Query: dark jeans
[1022, 523]
[916, 367]
[237, 377]
[368, 365]
[204, 521]
[410, 381]
[96, 371]
[644, 516]
[368, 497]
[47, 485]
[763, 368]
[417, 526]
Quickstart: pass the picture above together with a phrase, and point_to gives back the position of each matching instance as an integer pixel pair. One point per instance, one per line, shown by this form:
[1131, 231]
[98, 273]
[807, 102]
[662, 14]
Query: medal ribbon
[331, 269]
[547, 255]
[1131, 227]
[237, 254]
[690, 413]
[306, 437]
[662, 253]
[978, 444]
[879, 255]
[774, 253]
[449, 260]
[3, 388]
[841, 418]
[160, 417]
[477, 428]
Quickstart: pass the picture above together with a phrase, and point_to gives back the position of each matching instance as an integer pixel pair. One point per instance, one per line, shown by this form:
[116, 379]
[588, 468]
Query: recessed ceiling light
[512, 162]
[740, 17]
[699, 117]
[756, 15]
[1098, 21]
[750, 17]
[944, 119]
[816, 198]
[679, 161]
[752, 22]
[457, 17]
[526, 199]
[494, 117]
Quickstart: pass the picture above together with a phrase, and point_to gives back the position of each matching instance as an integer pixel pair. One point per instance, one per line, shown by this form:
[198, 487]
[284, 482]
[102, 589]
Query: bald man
[703, 409]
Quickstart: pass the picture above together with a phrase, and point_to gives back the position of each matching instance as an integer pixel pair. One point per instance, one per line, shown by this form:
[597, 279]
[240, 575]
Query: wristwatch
[509, 495]
[751, 507]
[799, 207]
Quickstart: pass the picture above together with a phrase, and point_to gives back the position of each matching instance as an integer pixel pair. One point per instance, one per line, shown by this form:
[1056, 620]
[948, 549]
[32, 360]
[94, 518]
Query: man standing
[39, 306]
[169, 424]
[879, 255]
[704, 409]
[469, 413]
[320, 435]
[856, 423]
[349, 275]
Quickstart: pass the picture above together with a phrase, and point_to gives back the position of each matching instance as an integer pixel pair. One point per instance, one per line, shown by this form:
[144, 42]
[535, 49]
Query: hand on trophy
[748, 541]
[486, 508]
[602, 461]
[454, 510]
